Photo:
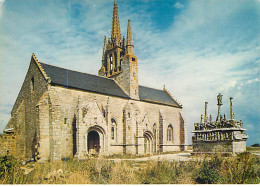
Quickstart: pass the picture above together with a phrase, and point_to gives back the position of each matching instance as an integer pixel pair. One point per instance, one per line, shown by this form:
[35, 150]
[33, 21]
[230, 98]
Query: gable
[39, 79]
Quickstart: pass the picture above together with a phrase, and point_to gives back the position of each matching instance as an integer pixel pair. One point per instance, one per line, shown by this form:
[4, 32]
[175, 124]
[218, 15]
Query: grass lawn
[241, 169]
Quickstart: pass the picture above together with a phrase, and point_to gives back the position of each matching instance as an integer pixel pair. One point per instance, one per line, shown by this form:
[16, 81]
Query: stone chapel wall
[24, 112]
[75, 106]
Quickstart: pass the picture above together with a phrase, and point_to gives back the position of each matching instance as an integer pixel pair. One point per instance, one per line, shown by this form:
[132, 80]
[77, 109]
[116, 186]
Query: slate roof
[97, 84]
[154, 95]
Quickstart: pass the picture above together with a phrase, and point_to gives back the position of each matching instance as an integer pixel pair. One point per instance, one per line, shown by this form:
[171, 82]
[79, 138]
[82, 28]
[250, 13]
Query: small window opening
[65, 120]
[113, 133]
[170, 133]
[111, 62]
[133, 59]
[129, 114]
[32, 84]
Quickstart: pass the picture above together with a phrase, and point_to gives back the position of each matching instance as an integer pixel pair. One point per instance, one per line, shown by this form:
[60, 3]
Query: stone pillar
[162, 137]
[205, 114]
[56, 132]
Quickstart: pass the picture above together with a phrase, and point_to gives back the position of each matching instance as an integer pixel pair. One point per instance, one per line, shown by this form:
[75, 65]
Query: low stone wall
[212, 146]
[7, 144]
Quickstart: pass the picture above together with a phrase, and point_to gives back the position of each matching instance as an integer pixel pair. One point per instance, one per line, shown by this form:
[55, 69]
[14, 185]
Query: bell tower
[113, 49]
[118, 60]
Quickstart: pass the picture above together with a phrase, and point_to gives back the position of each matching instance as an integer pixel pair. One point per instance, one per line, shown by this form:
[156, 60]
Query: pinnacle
[115, 32]
[129, 40]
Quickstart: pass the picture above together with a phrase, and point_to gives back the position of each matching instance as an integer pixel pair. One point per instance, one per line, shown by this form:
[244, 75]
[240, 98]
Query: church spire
[129, 40]
[115, 32]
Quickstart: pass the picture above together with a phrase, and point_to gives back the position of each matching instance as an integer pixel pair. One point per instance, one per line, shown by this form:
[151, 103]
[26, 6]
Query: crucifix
[219, 99]
[231, 113]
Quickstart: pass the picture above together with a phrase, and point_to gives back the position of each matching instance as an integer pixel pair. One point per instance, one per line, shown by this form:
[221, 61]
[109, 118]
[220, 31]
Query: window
[170, 133]
[133, 59]
[113, 129]
[111, 62]
[113, 133]
[32, 84]
[115, 55]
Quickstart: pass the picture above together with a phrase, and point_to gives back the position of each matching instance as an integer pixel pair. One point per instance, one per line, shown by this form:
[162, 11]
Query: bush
[207, 174]
[245, 169]
[7, 164]
[159, 173]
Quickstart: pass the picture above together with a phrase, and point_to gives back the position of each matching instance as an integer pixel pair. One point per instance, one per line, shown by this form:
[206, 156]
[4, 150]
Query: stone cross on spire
[115, 32]
[129, 40]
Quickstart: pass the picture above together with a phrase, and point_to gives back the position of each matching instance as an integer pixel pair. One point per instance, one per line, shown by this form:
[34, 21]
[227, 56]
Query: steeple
[129, 41]
[118, 59]
[115, 32]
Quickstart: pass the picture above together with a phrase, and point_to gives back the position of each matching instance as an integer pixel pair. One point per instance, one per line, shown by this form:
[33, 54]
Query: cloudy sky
[196, 48]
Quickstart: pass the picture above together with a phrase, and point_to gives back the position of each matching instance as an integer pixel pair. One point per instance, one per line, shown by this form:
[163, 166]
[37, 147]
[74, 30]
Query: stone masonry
[220, 136]
[61, 113]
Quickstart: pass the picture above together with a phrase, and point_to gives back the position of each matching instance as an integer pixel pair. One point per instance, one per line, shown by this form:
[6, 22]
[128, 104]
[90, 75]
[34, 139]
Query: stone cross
[231, 113]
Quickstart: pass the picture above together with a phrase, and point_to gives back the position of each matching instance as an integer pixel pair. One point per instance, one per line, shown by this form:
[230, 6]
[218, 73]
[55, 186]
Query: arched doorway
[93, 142]
[148, 143]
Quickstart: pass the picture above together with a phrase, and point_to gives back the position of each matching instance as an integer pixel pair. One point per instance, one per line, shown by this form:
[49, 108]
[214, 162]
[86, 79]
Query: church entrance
[148, 143]
[93, 142]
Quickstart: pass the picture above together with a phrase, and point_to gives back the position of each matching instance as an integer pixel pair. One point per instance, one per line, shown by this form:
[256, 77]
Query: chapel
[61, 113]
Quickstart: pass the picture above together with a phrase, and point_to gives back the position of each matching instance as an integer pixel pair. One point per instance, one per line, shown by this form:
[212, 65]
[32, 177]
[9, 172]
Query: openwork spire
[115, 32]
[129, 41]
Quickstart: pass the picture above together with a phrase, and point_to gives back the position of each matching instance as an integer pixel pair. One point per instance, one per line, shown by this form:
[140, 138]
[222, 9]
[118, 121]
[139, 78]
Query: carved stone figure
[219, 99]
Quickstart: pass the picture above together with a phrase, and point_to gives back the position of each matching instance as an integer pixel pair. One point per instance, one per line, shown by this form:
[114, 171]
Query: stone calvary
[220, 136]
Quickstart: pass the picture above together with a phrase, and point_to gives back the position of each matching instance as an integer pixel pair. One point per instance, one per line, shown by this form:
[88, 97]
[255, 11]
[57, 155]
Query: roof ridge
[76, 71]
[151, 88]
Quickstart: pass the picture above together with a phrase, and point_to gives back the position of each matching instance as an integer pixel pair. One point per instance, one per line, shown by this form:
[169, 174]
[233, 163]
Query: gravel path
[165, 157]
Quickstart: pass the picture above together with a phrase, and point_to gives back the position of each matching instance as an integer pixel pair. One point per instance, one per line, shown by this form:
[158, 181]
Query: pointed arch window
[113, 129]
[170, 133]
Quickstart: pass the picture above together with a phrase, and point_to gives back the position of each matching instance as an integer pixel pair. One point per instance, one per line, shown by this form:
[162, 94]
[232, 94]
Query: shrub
[7, 164]
[207, 174]
[159, 173]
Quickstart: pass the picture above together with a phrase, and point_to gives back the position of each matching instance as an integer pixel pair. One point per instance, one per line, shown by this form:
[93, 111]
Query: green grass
[253, 149]
[215, 169]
